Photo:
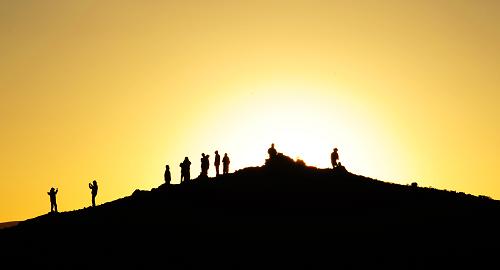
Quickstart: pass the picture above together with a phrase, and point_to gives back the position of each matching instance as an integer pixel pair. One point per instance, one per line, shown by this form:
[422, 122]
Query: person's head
[203, 154]
[95, 182]
[216, 152]
[52, 189]
[272, 145]
[186, 158]
[335, 149]
[225, 154]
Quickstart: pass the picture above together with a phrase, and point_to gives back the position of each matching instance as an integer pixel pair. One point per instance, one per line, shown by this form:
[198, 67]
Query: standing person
[185, 170]
[205, 164]
[53, 204]
[202, 162]
[93, 187]
[334, 157]
[166, 175]
[225, 164]
[217, 163]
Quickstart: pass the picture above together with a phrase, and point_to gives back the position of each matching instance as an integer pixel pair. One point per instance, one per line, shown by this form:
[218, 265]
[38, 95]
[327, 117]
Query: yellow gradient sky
[114, 90]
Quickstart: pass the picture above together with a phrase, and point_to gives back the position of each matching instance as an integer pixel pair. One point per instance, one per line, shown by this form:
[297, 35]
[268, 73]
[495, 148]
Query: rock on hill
[281, 215]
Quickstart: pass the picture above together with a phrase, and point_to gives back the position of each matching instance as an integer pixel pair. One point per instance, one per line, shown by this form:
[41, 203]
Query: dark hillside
[281, 215]
[8, 224]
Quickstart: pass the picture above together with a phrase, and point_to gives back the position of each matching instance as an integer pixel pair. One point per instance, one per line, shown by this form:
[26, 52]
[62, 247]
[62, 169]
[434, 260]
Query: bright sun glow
[116, 90]
[302, 125]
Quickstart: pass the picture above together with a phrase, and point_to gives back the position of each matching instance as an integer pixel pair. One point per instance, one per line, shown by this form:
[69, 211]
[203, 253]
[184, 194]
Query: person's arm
[57, 190]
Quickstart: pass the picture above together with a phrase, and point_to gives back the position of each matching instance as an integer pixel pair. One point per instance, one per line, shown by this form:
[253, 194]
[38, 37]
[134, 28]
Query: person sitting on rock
[272, 152]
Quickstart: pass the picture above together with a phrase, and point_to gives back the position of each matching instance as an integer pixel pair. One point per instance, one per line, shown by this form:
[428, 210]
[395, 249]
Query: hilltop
[281, 215]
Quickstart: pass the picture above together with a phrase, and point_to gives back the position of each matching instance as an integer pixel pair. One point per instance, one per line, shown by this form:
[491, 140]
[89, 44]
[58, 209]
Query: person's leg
[93, 200]
[55, 206]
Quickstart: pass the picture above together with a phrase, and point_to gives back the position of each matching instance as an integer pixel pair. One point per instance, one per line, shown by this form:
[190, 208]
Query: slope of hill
[9, 224]
[281, 215]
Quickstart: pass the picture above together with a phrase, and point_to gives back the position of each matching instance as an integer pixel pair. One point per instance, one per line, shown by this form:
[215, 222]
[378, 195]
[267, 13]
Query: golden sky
[114, 90]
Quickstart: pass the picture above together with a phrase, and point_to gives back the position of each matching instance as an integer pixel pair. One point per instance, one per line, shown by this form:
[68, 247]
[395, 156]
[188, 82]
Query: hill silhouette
[4, 225]
[281, 215]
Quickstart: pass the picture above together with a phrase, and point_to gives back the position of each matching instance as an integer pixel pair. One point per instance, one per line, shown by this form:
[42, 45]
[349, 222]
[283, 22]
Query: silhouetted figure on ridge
[185, 170]
[272, 152]
[202, 163]
[53, 204]
[166, 175]
[334, 157]
[225, 164]
[93, 187]
[340, 168]
[205, 164]
[217, 163]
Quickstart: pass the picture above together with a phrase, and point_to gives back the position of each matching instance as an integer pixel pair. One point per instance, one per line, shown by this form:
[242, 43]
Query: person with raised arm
[93, 187]
[53, 204]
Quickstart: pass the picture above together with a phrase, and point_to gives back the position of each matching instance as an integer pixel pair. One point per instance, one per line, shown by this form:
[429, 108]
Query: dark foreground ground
[279, 216]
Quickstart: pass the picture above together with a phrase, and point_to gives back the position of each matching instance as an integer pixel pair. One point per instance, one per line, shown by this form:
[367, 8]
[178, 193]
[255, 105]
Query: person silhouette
[272, 152]
[334, 157]
[185, 170]
[205, 164]
[93, 187]
[202, 162]
[225, 164]
[53, 204]
[166, 175]
[217, 163]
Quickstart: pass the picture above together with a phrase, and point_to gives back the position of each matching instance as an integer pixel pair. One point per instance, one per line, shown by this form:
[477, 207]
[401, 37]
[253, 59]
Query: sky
[408, 91]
